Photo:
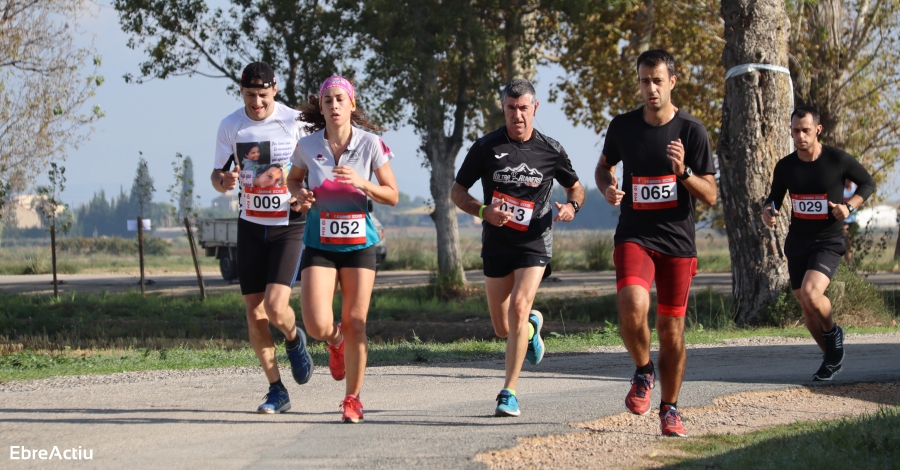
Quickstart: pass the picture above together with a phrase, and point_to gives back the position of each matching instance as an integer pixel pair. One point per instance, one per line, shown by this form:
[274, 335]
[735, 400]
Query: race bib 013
[522, 210]
[342, 228]
[810, 206]
[654, 192]
[270, 203]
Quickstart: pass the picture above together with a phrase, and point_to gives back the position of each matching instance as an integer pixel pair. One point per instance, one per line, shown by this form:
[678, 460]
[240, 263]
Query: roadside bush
[599, 253]
[854, 302]
[153, 246]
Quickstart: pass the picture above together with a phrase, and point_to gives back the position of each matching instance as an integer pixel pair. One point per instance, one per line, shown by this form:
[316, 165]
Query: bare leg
[521, 298]
[356, 289]
[816, 306]
[633, 303]
[672, 356]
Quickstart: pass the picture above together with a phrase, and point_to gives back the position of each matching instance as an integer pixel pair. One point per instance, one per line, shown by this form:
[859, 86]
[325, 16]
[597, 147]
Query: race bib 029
[342, 228]
[654, 192]
[810, 206]
[270, 203]
[522, 210]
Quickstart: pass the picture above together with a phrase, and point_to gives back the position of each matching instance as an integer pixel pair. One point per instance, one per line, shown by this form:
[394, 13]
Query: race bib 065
[342, 228]
[810, 206]
[271, 203]
[654, 192]
[522, 210]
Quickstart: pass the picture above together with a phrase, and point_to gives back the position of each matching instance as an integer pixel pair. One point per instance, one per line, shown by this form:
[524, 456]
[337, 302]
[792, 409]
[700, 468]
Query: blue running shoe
[536, 345]
[301, 361]
[277, 401]
[507, 405]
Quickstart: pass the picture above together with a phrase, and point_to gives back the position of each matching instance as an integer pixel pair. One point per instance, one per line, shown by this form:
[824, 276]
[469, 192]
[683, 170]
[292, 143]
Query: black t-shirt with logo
[521, 175]
[812, 185]
[657, 210]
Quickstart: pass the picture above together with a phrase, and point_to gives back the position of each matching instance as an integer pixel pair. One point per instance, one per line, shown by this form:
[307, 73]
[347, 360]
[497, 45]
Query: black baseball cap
[258, 71]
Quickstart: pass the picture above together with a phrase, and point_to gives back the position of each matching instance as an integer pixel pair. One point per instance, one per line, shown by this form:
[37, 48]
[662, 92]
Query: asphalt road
[603, 282]
[424, 416]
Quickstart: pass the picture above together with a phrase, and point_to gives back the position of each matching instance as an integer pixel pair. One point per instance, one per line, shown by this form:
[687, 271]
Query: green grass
[868, 441]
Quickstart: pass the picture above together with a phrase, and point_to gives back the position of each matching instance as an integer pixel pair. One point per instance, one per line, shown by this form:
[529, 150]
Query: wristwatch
[687, 174]
[575, 206]
[849, 207]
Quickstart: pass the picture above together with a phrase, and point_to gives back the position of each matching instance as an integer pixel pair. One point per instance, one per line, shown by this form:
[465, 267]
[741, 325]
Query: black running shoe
[834, 346]
[827, 371]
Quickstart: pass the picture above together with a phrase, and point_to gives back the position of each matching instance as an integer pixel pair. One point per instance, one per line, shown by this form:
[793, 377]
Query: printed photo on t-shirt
[268, 176]
[257, 153]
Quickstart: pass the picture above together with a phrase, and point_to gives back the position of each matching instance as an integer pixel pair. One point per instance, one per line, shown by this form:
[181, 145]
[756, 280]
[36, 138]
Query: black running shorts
[364, 258]
[503, 265]
[805, 254]
[267, 254]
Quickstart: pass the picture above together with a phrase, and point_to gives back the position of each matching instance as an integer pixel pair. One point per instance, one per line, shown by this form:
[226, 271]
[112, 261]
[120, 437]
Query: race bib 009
[654, 192]
[522, 210]
[342, 228]
[810, 206]
[270, 203]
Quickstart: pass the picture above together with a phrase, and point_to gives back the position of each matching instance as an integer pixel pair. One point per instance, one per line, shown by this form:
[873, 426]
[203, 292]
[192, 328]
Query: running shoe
[353, 410]
[507, 404]
[670, 422]
[277, 401]
[301, 361]
[336, 360]
[827, 371]
[638, 399]
[536, 345]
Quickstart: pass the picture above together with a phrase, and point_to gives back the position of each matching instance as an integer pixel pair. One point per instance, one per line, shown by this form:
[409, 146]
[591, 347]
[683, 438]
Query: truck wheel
[228, 267]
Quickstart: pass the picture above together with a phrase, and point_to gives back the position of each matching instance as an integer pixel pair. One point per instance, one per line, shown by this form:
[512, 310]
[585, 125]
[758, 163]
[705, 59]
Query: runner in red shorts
[666, 165]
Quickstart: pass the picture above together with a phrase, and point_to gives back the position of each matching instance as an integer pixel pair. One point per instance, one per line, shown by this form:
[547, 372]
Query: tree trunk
[440, 151]
[53, 257]
[830, 69]
[754, 137]
[140, 227]
[190, 235]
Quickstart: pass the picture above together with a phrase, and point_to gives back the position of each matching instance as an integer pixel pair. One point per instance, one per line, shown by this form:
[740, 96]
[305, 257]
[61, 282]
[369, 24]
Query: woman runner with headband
[338, 160]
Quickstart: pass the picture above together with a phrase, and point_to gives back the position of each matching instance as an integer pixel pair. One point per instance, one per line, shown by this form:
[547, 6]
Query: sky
[182, 114]
[162, 117]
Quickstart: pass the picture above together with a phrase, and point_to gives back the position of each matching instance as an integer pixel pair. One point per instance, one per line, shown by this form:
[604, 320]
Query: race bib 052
[342, 228]
[271, 203]
[522, 210]
[810, 206]
[654, 192]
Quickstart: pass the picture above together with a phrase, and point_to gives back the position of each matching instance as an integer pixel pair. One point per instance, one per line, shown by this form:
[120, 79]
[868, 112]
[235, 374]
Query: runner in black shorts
[666, 166]
[516, 165]
[814, 175]
[258, 140]
[337, 163]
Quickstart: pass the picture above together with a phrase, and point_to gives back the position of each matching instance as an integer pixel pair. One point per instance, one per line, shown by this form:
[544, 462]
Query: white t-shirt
[263, 151]
[339, 219]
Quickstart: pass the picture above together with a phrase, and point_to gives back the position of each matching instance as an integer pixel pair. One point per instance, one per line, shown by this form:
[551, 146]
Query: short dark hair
[805, 110]
[517, 88]
[654, 57]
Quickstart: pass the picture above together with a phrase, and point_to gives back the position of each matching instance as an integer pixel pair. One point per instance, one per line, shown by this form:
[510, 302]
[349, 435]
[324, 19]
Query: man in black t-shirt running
[814, 175]
[516, 165]
[666, 164]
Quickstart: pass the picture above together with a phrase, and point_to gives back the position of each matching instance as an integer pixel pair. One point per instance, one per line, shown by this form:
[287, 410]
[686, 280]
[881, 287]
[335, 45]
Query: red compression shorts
[637, 266]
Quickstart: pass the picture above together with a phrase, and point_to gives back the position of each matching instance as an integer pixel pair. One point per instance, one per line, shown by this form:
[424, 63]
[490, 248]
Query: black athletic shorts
[364, 258]
[267, 254]
[503, 265]
[808, 254]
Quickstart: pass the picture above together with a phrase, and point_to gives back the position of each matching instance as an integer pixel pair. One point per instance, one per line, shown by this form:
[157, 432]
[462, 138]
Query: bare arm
[224, 180]
[702, 187]
[491, 213]
[605, 177]
[567, 211]
[301, 198]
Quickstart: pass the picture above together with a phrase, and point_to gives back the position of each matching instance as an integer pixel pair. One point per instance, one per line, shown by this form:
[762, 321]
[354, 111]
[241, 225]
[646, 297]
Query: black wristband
[575, 206]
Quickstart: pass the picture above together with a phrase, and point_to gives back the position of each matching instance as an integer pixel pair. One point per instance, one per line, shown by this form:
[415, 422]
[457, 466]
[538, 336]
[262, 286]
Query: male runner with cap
[666, 165]
[516, 165]
[270, 232]
[814, 174]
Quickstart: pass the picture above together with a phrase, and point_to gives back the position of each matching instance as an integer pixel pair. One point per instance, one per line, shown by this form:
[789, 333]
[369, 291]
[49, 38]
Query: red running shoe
[638, 399]
[353, 410]
[336, 360]
[670, 422]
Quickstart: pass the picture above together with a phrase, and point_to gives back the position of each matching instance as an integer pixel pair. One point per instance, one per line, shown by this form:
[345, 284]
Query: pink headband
[340, 82]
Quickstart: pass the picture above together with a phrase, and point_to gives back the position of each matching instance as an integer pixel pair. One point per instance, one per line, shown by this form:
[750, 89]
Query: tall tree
[45, 82]
[142, 194]
[302, 39]
[753, 138]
